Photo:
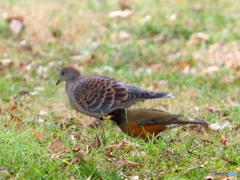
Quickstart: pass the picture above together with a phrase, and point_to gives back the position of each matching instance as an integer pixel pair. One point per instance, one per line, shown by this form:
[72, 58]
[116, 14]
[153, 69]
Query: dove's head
[68, 73]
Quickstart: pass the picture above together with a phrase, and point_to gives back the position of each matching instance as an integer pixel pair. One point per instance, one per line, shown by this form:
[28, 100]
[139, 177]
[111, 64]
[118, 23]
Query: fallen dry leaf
[146, 19]
[74, 136]
[94, 125]
[6, 63]
[76, 159]
[121, 14]
[16, 26]
[39, 135]
[221, 125]
[123, 5]
[56, 146]
[18, 121]
[124, 163]
[11, 107]
[124, 145]
[181, 65]
[24, 44]
[76, 148]
[134, 178]
[228, 161]
[224, 54]
[210, 69]
[121, 36]
[214, 109]
[224, 141]
[10, 18]
[198, 38]
[97, 142]
[199, 128]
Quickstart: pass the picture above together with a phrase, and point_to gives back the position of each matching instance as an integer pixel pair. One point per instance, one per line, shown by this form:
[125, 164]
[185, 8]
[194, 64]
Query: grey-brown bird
[144, 122]
[95, 94]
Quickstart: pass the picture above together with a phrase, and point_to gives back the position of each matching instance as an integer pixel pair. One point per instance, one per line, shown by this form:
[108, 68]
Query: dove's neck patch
[71, 78]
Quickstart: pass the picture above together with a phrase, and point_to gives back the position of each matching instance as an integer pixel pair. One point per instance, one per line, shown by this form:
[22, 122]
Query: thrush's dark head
[117, 115]
[68, 73]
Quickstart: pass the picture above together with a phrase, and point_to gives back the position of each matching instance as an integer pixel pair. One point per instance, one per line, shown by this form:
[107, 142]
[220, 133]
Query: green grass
[157, 50]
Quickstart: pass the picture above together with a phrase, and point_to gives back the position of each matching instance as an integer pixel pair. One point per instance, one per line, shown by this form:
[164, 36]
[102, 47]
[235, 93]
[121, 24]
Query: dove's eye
[62, 73]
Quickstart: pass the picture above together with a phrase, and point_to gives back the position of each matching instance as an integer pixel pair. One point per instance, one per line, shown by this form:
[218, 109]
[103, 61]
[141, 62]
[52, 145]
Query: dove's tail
[160, 95]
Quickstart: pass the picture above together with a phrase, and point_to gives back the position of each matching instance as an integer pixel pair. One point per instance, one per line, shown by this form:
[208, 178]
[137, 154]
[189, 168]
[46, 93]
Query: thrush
[93, 95]
[144, 122]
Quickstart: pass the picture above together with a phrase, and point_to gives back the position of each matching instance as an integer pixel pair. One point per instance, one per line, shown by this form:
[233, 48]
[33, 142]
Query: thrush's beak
[105, 117]
[108, 117]
[58, 81]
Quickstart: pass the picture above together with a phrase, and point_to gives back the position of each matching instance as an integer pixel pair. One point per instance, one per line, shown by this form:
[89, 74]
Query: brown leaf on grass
[181, 65]
[214, 109]
[76, 159]
[121, 14]
[210, 69]
[169, 155]
[199, 128]
[76, 148]
[228, 161]
[220, 125]
[73, 136]
[24, 44]
[11, 107]
[54, 135]
[56, 146]
[233, 101]
[94, 125]
[10, 18]
[97, 142]
[124, 145]
[198, 38]
[39, 135]
[124, 163]
[224, 141]
[121, 36]
[6, 63]
[16, 26]
[134, 178]
[224, 54]
[123, 5]
[18, 121]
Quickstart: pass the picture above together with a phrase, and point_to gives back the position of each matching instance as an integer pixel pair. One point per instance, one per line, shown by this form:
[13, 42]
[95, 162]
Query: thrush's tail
[192, 121]
[180, 120]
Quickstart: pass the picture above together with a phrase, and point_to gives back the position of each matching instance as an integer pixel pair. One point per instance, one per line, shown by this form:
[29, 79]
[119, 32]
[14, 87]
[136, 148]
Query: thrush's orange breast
[141, 131]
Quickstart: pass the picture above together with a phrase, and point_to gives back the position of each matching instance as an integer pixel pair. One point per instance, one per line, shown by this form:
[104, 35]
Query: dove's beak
[58, 81]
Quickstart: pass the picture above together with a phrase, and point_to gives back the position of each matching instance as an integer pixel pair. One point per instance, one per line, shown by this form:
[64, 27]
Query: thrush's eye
[115, 113]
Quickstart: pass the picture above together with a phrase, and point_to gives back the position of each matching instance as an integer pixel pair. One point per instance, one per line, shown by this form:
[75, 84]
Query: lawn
[189, 48]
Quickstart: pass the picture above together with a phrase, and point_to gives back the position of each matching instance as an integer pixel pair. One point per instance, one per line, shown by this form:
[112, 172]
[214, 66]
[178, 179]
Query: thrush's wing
[144, 117]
